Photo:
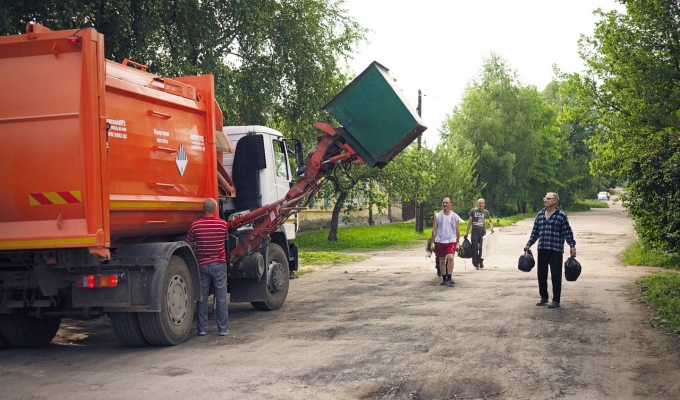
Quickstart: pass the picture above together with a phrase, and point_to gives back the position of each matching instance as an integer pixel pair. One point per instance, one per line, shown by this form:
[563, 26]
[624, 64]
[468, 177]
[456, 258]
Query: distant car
[603, 196]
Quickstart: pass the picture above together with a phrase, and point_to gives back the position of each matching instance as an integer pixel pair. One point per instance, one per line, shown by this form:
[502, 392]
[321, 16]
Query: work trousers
[553, 259]
[213, 274]
[478, 233]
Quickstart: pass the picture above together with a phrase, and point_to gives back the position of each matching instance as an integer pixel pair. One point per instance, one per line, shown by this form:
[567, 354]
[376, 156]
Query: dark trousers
[554, 260]
[476, 240]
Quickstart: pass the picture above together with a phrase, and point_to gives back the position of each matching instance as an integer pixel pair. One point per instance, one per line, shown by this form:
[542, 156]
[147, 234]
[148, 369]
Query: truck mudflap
[142, 269]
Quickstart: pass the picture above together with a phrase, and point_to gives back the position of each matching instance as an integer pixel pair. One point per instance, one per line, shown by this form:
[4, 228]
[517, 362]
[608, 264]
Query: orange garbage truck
[106, 165]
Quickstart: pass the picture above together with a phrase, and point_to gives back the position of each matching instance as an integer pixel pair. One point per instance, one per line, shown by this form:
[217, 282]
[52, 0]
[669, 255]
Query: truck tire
[23, 330]
[126, 327]
[277, 280]
[171, 326]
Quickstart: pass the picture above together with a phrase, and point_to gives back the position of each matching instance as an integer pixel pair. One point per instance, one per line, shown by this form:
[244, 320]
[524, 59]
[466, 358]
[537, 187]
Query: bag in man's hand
[572, 269]
[526, 261]
[465, 249]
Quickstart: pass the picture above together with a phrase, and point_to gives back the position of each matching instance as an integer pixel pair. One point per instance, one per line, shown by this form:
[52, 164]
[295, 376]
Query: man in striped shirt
[207, 236]
[551, 229]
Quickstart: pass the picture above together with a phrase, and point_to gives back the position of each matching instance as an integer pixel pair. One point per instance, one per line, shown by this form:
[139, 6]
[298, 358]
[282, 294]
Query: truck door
[283, 180]
[281, 168]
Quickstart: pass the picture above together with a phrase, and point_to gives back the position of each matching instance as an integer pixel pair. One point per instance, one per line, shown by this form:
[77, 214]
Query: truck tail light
[96, 281]
[74, 41]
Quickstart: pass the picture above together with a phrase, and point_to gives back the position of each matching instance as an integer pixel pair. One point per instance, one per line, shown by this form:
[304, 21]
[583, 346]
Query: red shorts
[442, 249]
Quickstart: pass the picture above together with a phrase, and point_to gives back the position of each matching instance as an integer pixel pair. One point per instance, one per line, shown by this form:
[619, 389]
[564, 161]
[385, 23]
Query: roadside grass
[592, 204]
[363, 238]
[660, 291]
[637, 254]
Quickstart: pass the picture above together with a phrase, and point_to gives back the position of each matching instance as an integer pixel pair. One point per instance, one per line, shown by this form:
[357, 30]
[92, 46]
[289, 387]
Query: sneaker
[444, 283]
[201, 333]
[225, 333]
[452, 283]
[481, 264]
[554, 304]
[542, 302]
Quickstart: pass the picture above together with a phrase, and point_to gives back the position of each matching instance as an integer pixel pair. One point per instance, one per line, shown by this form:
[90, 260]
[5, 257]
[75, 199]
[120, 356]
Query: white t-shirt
[446, 227]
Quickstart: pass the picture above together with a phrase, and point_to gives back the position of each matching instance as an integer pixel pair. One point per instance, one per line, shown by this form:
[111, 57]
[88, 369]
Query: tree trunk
[333, 232]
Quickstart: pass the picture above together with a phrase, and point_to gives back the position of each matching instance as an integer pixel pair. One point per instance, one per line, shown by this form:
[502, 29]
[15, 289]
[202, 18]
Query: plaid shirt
[552, 233]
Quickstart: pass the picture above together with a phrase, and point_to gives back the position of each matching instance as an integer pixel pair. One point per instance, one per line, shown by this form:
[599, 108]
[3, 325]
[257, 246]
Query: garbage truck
[106, 165]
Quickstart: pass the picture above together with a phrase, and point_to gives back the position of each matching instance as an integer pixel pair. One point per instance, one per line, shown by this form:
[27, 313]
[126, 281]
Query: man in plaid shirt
[551, 229]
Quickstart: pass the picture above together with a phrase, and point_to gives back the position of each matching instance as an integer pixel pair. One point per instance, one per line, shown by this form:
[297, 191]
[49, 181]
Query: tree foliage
[276, 62]
[454, 176]
[513, 133]
[631, 93]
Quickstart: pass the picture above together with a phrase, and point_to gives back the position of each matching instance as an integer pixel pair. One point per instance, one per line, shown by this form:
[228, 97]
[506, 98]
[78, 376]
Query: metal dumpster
[378, 120]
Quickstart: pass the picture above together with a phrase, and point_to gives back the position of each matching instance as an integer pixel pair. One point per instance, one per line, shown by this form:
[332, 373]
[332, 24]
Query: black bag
[465, 249]
[572, 269]
[526, 261]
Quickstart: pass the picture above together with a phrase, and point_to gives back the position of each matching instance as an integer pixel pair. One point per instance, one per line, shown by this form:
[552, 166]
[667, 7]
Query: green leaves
[631, 94]
[513, 136]
[276, 62]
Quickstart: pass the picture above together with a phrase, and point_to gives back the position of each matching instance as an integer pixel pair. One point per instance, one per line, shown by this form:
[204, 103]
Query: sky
[439, 46]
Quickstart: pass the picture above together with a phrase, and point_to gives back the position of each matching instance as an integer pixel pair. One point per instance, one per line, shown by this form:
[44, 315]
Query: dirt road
[385, 329]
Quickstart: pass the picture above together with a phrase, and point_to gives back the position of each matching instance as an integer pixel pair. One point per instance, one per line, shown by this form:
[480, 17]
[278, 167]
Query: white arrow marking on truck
[181, 160]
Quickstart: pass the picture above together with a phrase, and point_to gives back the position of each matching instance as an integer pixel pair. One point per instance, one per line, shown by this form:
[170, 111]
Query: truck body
[106, 166]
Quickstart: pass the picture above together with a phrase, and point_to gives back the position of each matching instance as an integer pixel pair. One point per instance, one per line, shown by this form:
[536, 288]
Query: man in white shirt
[445, 236]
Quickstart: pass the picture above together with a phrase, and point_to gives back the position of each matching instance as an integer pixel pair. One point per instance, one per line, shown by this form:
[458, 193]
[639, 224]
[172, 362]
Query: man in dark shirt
[477, 217]
[207, 236]
[551, 229]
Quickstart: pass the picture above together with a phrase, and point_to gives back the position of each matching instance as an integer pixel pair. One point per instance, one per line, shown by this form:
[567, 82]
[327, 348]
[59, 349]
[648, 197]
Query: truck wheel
[23, 330]
[277, 280]
[126, 327]
[171, 326]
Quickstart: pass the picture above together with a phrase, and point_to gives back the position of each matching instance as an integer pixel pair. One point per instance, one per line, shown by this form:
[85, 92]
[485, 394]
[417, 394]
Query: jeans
[215, 274]
[554, 259]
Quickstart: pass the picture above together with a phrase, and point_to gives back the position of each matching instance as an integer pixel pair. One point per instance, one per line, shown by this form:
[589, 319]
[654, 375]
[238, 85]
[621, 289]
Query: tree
[276, 62]
[514, 136]
[410, 175]
[631, 92]
[453, 176]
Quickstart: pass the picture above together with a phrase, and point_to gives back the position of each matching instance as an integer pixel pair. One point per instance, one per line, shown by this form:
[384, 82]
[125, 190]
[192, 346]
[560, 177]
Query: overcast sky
[439, 46]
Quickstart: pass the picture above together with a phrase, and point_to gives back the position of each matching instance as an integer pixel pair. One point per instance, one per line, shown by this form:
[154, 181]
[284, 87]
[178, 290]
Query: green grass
[358, 238]
[311, 259]
[637, 254]
[322, 258]
[593, 203]
[662, 292]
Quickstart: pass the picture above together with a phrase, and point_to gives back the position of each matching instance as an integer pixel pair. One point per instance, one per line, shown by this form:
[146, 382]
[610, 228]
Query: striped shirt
[209, 234]
[552, 233]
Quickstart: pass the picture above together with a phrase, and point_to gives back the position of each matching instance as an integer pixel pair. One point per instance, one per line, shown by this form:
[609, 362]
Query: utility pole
[419, 205]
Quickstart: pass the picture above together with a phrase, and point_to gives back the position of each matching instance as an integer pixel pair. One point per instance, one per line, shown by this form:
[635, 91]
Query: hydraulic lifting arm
[330, 149]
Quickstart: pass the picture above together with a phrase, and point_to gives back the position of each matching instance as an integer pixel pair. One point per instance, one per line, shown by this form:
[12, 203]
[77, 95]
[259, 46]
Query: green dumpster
[378, 120]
